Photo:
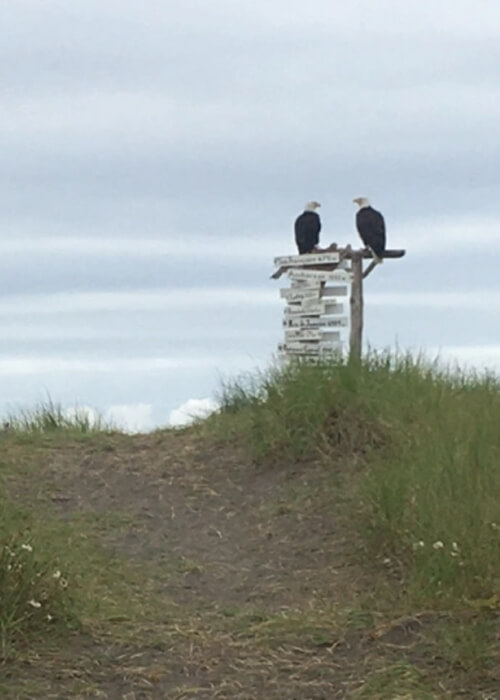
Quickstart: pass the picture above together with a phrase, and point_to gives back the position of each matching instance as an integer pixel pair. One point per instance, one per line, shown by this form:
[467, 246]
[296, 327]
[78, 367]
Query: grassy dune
[426, 444]
[332, 531]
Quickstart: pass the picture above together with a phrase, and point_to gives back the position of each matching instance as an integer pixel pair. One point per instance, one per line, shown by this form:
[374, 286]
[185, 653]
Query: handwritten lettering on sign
[306, 348]
[306, 284]
[309, 259]
[309, 334]
[317, 325]
[330, 306]
[302, 322]
[299, 294]
[313, 322]
[305, 310]
[313, 309]
[302, 334]
[323, 276]
[341, 322]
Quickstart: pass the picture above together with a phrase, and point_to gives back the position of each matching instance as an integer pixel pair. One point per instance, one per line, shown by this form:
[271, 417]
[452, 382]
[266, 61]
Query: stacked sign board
[316, 316]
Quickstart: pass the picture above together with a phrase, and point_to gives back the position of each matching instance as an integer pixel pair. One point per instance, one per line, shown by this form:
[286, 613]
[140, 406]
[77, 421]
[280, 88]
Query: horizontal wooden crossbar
[385, 254]
[301, 261]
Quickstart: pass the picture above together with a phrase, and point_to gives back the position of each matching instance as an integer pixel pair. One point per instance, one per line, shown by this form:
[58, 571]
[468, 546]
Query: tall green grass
[36, 598]
[36, 591]
[429, 440]
[49, 416]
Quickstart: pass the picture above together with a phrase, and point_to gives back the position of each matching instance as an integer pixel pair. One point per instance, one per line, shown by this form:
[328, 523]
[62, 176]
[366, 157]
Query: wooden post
[356, 337]
[370, 268]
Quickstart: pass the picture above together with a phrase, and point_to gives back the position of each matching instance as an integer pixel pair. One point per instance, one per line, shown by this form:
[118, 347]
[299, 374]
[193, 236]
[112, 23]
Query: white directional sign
[306, 284]
[294, 323]
[330, 306]
[309, 304]
[309, 348]
[323, 276]
[309, 308]
[340, 322]
[316, 321]
[299, 294]
[299, 309]
[342, 291]
[303, 334]
[308, 259]
[332, 309]
[309, 334]
[302, 322]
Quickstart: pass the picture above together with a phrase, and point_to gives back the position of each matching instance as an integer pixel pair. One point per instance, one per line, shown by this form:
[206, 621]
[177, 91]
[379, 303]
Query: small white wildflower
[387, 561]
[27, 547]
[438, 545]
[454, 546]
[419, 545]
[9, 567]
[495, 526]
[49, 617]
[56, 574]
[34, 604]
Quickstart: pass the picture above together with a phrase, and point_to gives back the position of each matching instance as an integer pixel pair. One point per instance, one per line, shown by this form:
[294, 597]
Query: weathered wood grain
[356, 304]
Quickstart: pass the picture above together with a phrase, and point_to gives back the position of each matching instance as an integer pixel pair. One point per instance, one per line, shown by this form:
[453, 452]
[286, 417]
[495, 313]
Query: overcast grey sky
[155, 155]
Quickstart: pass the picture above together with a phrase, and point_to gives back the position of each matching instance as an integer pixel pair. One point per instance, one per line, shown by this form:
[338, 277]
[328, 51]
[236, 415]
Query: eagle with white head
[371, 227]
[307, 228]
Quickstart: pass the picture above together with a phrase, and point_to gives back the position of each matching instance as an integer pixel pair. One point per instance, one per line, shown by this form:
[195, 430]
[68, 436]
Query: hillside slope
[196, 569]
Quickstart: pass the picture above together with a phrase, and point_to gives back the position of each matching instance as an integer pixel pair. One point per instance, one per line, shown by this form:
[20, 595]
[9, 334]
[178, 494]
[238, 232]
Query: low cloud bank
[191, 410]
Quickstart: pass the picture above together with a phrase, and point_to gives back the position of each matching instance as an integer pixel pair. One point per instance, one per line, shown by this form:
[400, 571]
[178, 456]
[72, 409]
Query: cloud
[160, 132]
[146, 185]
[131, 418]
[141, 299]
[223, 297]
[478, 357]
[479, 299]
[190, 410]
[193, 246]
[451, 234]
[85, 338]
[87, 413]
[113, 365]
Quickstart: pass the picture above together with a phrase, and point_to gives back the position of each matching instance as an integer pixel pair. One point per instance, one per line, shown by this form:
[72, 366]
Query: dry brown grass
[199, 575]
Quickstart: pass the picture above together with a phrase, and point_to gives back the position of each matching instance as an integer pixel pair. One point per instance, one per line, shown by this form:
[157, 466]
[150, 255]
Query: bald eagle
[371, 227]
[307, 228]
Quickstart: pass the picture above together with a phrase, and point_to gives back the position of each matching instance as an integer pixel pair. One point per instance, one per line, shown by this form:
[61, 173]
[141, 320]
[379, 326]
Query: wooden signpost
[315, 321]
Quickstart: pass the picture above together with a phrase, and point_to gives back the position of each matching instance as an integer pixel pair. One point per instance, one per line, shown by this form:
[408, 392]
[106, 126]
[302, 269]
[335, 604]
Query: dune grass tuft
[50, 417]
[429, 443]
[35, 594]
